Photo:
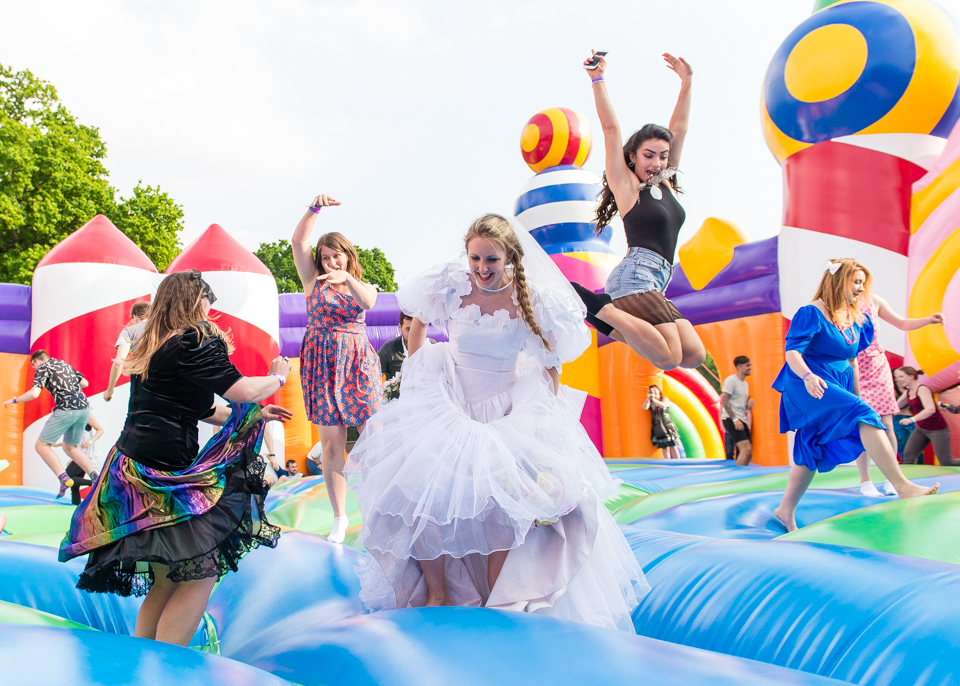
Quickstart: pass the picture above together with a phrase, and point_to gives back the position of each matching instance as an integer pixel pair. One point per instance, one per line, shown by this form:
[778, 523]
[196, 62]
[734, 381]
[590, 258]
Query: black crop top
[655, 224]
[161, 427]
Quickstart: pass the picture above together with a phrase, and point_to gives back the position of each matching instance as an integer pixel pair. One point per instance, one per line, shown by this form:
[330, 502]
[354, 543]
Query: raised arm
[302, 250]
[623, 182]
[888, 315]
[680, 120]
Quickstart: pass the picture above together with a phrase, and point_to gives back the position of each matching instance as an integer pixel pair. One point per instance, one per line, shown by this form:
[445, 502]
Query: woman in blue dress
[820, 389]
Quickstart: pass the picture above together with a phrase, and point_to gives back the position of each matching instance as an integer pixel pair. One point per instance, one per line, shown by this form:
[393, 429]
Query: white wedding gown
[479, 455]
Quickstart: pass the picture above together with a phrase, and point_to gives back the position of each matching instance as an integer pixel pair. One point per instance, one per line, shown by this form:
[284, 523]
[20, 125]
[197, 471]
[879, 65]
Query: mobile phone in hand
[595, 62]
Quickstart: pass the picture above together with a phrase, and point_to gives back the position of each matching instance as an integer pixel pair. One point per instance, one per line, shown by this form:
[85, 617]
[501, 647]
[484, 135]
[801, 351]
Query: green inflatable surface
[11, 613]
[51, 539]
[919, 527]
[841, 477]
[310, 511]
[27, 519]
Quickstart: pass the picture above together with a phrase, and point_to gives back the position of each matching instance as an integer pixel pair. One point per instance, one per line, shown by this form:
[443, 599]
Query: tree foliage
[278, 257]
[53, 181]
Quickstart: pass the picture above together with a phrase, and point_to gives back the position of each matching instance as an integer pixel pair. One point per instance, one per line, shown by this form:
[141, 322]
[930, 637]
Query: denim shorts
[67, 423]
[640, 271]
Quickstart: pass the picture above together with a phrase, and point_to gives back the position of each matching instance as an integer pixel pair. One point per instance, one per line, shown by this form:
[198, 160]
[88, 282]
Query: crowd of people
[477, 484]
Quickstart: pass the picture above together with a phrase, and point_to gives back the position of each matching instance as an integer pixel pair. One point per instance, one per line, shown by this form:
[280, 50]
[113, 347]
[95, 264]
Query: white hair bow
[832, 267]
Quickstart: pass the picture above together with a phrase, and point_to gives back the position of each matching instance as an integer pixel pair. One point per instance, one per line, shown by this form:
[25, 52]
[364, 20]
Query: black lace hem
[125, 578]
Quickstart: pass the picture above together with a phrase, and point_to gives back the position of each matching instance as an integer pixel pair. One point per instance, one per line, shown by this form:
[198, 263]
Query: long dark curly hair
[607, 208]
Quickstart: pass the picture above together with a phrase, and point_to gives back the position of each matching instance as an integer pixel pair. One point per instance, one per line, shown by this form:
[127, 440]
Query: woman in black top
[163, 518]
[640, 176]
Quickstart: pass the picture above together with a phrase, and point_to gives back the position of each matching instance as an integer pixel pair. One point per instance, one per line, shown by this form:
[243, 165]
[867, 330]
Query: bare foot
[913, 490]
[788, 521]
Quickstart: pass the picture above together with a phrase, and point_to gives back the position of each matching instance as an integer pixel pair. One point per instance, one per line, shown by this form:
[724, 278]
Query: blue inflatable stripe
[560, 193]
[578, 246]
[877, 618]
[559, 167]
[564, 233]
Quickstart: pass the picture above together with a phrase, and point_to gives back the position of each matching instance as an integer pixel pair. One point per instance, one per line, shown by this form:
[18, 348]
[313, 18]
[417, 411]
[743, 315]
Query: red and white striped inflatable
[82, 293]
[247, 300]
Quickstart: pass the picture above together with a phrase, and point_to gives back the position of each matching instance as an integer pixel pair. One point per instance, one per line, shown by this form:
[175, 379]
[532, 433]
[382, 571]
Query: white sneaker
[339, 530]
[868, 489]
[888, 488]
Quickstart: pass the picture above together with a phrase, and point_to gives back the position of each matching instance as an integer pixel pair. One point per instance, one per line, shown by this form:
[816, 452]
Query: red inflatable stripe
[849, 191]
[100, 242]
[217, 251]
[573, 143]
[694, 382]
[544, 140]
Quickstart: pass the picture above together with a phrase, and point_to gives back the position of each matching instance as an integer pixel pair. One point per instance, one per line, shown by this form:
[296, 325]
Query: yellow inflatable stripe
[694, 409]
[930, 344]
[926, 201]
[586, 140]
[780, 144]
[935, 76]
[583, 373]
[561, 133]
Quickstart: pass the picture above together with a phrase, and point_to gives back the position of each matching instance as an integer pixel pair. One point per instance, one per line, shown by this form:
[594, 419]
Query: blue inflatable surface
[470, 646]
[653, 479]
[750, 515]
[30, 575]
[45, 656]
[303, 583]
[14, 496]
[846, 613]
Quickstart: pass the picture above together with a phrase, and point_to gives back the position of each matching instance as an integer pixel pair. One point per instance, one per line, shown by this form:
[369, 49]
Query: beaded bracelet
[315, 208]
[596, 79]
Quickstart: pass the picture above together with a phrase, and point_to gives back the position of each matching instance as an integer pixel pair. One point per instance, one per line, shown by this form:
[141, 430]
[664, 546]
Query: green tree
[278, 257]
[53, 181]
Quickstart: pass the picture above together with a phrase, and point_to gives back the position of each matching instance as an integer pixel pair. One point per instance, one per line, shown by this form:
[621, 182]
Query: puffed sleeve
[206, 362]
[867, 334]
[562, 324]
[804, 326]
[434, 295]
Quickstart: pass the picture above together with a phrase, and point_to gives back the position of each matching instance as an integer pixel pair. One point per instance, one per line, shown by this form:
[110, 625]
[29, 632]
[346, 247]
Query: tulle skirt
[509, 469]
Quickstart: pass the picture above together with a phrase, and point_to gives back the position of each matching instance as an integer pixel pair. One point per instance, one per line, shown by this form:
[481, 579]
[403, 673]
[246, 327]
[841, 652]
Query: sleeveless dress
[876, 379]
[339, 370]
[638, 283]
[827, 431]
[663, 432]
[157, 498]
[479, 455]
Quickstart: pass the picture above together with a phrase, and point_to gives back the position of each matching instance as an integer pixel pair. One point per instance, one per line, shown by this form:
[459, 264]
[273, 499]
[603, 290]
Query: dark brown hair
[39, 355]
[140, 309]
[607, 209]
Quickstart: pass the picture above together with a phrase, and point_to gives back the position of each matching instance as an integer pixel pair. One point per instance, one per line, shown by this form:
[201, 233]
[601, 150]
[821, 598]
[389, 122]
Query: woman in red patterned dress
[339, 369]
[876, 379]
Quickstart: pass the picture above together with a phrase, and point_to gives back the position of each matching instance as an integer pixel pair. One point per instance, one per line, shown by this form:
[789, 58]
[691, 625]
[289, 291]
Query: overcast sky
[408, 112]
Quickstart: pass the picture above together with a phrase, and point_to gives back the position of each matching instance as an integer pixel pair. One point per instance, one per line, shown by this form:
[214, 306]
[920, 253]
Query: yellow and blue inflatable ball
[863, 67]
[555, 136]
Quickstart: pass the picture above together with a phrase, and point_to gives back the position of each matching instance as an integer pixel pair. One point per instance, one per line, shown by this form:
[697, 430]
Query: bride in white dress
[479, 486]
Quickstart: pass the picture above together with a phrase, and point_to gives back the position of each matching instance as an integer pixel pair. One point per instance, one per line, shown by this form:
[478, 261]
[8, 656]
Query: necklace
[653, 183]
[493, 290]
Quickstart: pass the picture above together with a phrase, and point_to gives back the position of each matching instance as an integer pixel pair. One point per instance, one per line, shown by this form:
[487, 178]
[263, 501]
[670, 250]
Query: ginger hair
[497, 229]
[338, 242]
[833, 292]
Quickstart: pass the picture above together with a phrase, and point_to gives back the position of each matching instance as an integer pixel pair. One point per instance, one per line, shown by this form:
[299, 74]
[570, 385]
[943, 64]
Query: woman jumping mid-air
[820, 390]
[640, 182]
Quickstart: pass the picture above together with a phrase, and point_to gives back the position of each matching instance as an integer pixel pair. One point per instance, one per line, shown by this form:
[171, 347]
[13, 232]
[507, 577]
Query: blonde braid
[523, 300]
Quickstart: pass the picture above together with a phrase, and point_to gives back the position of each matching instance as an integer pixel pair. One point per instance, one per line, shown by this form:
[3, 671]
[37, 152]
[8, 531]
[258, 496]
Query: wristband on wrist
[597, 79]
[282, 378]
[315, 208]
[804, 377]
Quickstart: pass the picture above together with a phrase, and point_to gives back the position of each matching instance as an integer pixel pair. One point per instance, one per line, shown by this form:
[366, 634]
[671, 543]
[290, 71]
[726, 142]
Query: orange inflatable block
[13, 382]
[297, 434]
[624, 380]
[761, 339]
